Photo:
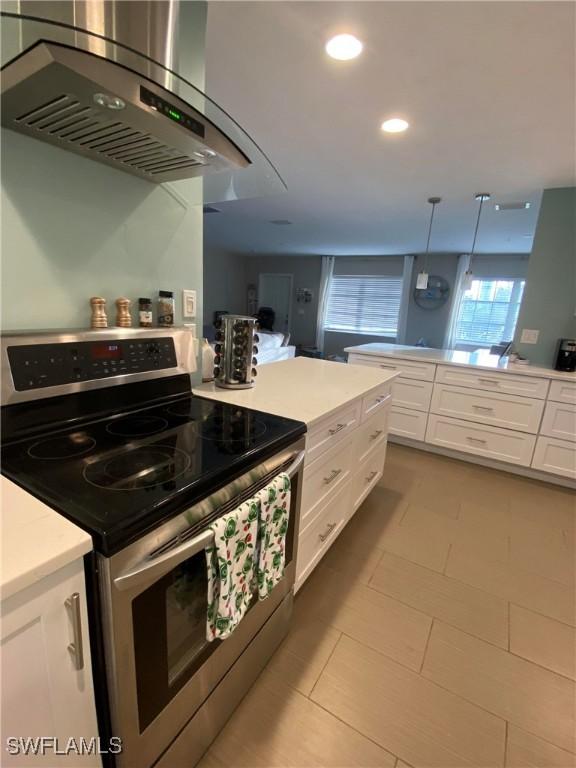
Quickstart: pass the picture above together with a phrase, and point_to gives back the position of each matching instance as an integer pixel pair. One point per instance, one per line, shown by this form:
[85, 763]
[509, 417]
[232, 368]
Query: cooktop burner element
[137, 426]
[185, 409]
[138, 468]
[65, 447]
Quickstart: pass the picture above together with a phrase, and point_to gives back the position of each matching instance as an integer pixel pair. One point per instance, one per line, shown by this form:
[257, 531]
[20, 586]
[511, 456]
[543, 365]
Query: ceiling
[489, 91]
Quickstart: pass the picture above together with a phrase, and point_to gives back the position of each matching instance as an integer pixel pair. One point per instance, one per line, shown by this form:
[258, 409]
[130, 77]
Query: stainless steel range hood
[79, 87]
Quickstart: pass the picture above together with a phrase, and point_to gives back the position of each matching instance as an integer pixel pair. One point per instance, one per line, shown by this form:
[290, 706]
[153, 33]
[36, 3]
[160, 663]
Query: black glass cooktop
[120, 476]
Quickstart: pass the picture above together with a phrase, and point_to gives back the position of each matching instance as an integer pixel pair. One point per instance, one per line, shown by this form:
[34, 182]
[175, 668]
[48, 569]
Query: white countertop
[36, 541]
[482, 359]
[302, 388]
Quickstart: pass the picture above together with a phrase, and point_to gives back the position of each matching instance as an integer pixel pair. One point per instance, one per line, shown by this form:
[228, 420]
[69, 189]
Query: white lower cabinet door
[555, 456]
[371, 435]
[412, 394]
[366, 476]
[406, 423]
[490, 442]
[316, 538]
[324, 478]
[559, 421]
[45, 693]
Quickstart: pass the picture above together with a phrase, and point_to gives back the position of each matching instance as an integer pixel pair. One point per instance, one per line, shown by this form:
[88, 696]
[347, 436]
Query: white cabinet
[500, 410]
[331, 430]
[411, 393]
[557, 456]
[408, 369]
[563, 391]
[407, 423]
[44, 692]
[504, 382]
[490, 442]
[559, 421]
[324, 478]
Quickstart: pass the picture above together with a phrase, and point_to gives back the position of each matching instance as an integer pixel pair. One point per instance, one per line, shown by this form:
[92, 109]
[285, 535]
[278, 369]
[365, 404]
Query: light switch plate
[189, 303]
[529, 337]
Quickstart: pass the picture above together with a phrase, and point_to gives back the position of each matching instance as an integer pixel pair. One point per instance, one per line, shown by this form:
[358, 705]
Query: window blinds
[489, 311]
[364, 304]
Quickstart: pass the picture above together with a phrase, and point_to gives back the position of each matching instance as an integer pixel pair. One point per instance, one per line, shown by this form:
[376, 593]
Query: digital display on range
[106, 352]
[171, 112]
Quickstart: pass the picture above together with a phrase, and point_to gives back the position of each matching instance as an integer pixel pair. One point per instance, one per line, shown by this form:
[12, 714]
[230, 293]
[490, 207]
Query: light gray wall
[549, 302]
[306, 271]
[225, 283]
[430, 324]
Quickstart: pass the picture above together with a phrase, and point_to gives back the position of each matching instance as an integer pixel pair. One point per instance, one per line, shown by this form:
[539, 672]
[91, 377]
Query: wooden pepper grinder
[99, 319]
[123, 316]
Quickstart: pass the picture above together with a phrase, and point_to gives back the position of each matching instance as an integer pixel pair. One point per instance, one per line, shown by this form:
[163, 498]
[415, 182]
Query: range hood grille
[66, 119]
[49, 91]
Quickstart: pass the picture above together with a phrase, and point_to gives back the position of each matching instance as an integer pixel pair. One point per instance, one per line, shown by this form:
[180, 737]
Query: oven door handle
[150, 569]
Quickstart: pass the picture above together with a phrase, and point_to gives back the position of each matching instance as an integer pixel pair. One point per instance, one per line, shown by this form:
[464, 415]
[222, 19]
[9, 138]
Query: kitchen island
[477, 407]
[345, 409]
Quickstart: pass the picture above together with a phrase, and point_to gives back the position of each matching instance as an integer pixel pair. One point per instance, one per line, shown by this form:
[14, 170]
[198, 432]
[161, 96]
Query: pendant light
[422, 279]
[480, 197]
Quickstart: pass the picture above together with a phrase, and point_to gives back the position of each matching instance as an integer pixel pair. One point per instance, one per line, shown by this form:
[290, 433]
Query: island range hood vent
[95, 107]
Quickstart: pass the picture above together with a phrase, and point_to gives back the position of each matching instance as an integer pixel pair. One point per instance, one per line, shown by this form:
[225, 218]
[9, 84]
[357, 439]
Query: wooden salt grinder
[99, 319]
[123, 316]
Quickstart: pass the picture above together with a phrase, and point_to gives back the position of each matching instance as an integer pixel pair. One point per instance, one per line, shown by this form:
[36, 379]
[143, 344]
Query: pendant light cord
[434, 202]
[482, 197]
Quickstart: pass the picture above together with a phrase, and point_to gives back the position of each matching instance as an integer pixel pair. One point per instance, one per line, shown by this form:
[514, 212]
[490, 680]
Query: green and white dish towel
[249, 548]
[274, 503]
[230, 562]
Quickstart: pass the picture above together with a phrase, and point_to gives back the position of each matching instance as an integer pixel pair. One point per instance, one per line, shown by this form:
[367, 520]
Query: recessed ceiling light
[344, 47]
[523, 206]
[394, 125]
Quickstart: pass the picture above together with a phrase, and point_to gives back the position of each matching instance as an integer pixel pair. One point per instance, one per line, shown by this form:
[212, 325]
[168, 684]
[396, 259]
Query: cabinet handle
[483, 408]
[76, 648]
[332, 476]
[376, 434]
[371, 476]
[392, 367]
[336, 429]
[381, 398]
[490, 381]
[476, 440]
[329, 528]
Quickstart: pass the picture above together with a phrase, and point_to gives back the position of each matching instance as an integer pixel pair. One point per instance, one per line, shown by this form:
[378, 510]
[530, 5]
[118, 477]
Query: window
[364, 304]
[488, 312]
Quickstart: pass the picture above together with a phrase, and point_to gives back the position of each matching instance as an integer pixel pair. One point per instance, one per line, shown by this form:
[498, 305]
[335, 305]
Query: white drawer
[491, 442]
[559, 421]
[507, 383]
[563, 391]
[500, 410]
[408, 369]
[318, 537]
[324, 477]
[413, 394]
[407, 423]
[371, 434]
[367, 476]
[375, 400]
[556, 456]
[331, 430]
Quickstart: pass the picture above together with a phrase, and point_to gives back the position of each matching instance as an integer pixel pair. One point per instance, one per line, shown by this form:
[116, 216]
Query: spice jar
[165, 308]
[145, 313]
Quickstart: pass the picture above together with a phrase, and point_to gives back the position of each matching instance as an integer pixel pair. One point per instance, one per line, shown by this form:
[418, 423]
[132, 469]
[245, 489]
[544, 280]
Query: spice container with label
[145, 313]
[165, 308]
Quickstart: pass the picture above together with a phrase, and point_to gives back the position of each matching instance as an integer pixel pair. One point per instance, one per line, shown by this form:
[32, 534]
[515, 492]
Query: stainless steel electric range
[102, 427]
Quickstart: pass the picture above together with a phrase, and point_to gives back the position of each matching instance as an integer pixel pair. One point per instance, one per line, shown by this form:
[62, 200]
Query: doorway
[275, 291]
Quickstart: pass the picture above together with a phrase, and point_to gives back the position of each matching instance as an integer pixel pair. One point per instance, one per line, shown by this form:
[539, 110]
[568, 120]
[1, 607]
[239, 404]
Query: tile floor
[438, 631]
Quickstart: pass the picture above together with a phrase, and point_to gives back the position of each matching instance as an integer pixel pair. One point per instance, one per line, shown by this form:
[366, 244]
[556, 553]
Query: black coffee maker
[566, 357]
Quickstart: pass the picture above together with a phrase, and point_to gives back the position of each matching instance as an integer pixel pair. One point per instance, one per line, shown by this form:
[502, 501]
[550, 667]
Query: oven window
[185, 616]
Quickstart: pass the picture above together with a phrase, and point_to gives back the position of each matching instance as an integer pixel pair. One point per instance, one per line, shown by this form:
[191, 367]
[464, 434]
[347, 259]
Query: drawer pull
[337, 428]
[76, 648]
[391, 367]
[381, 398]
[329, 528]
[486, 408]
[495, 382]
[477, 440]
[332, 476]
[371, 476]
[376, 434]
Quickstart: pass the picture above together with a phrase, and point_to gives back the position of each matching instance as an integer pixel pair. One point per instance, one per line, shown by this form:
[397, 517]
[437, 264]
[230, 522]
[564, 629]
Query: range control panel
[36, 366]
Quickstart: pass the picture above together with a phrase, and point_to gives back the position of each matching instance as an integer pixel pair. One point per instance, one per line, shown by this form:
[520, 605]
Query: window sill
[361, 333]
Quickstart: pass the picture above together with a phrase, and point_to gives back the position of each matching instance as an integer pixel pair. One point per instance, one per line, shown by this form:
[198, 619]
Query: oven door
[159, 664]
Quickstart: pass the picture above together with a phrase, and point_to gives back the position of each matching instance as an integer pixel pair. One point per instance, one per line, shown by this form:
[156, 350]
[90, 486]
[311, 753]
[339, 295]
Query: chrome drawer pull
[490, 381]
[483, 408]
[376, 434]
[371, 476]
[391, 367]
[76, 648]
[476, 440]
[337, 428]
[381, 398]
[329, 528]
[332, 476]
